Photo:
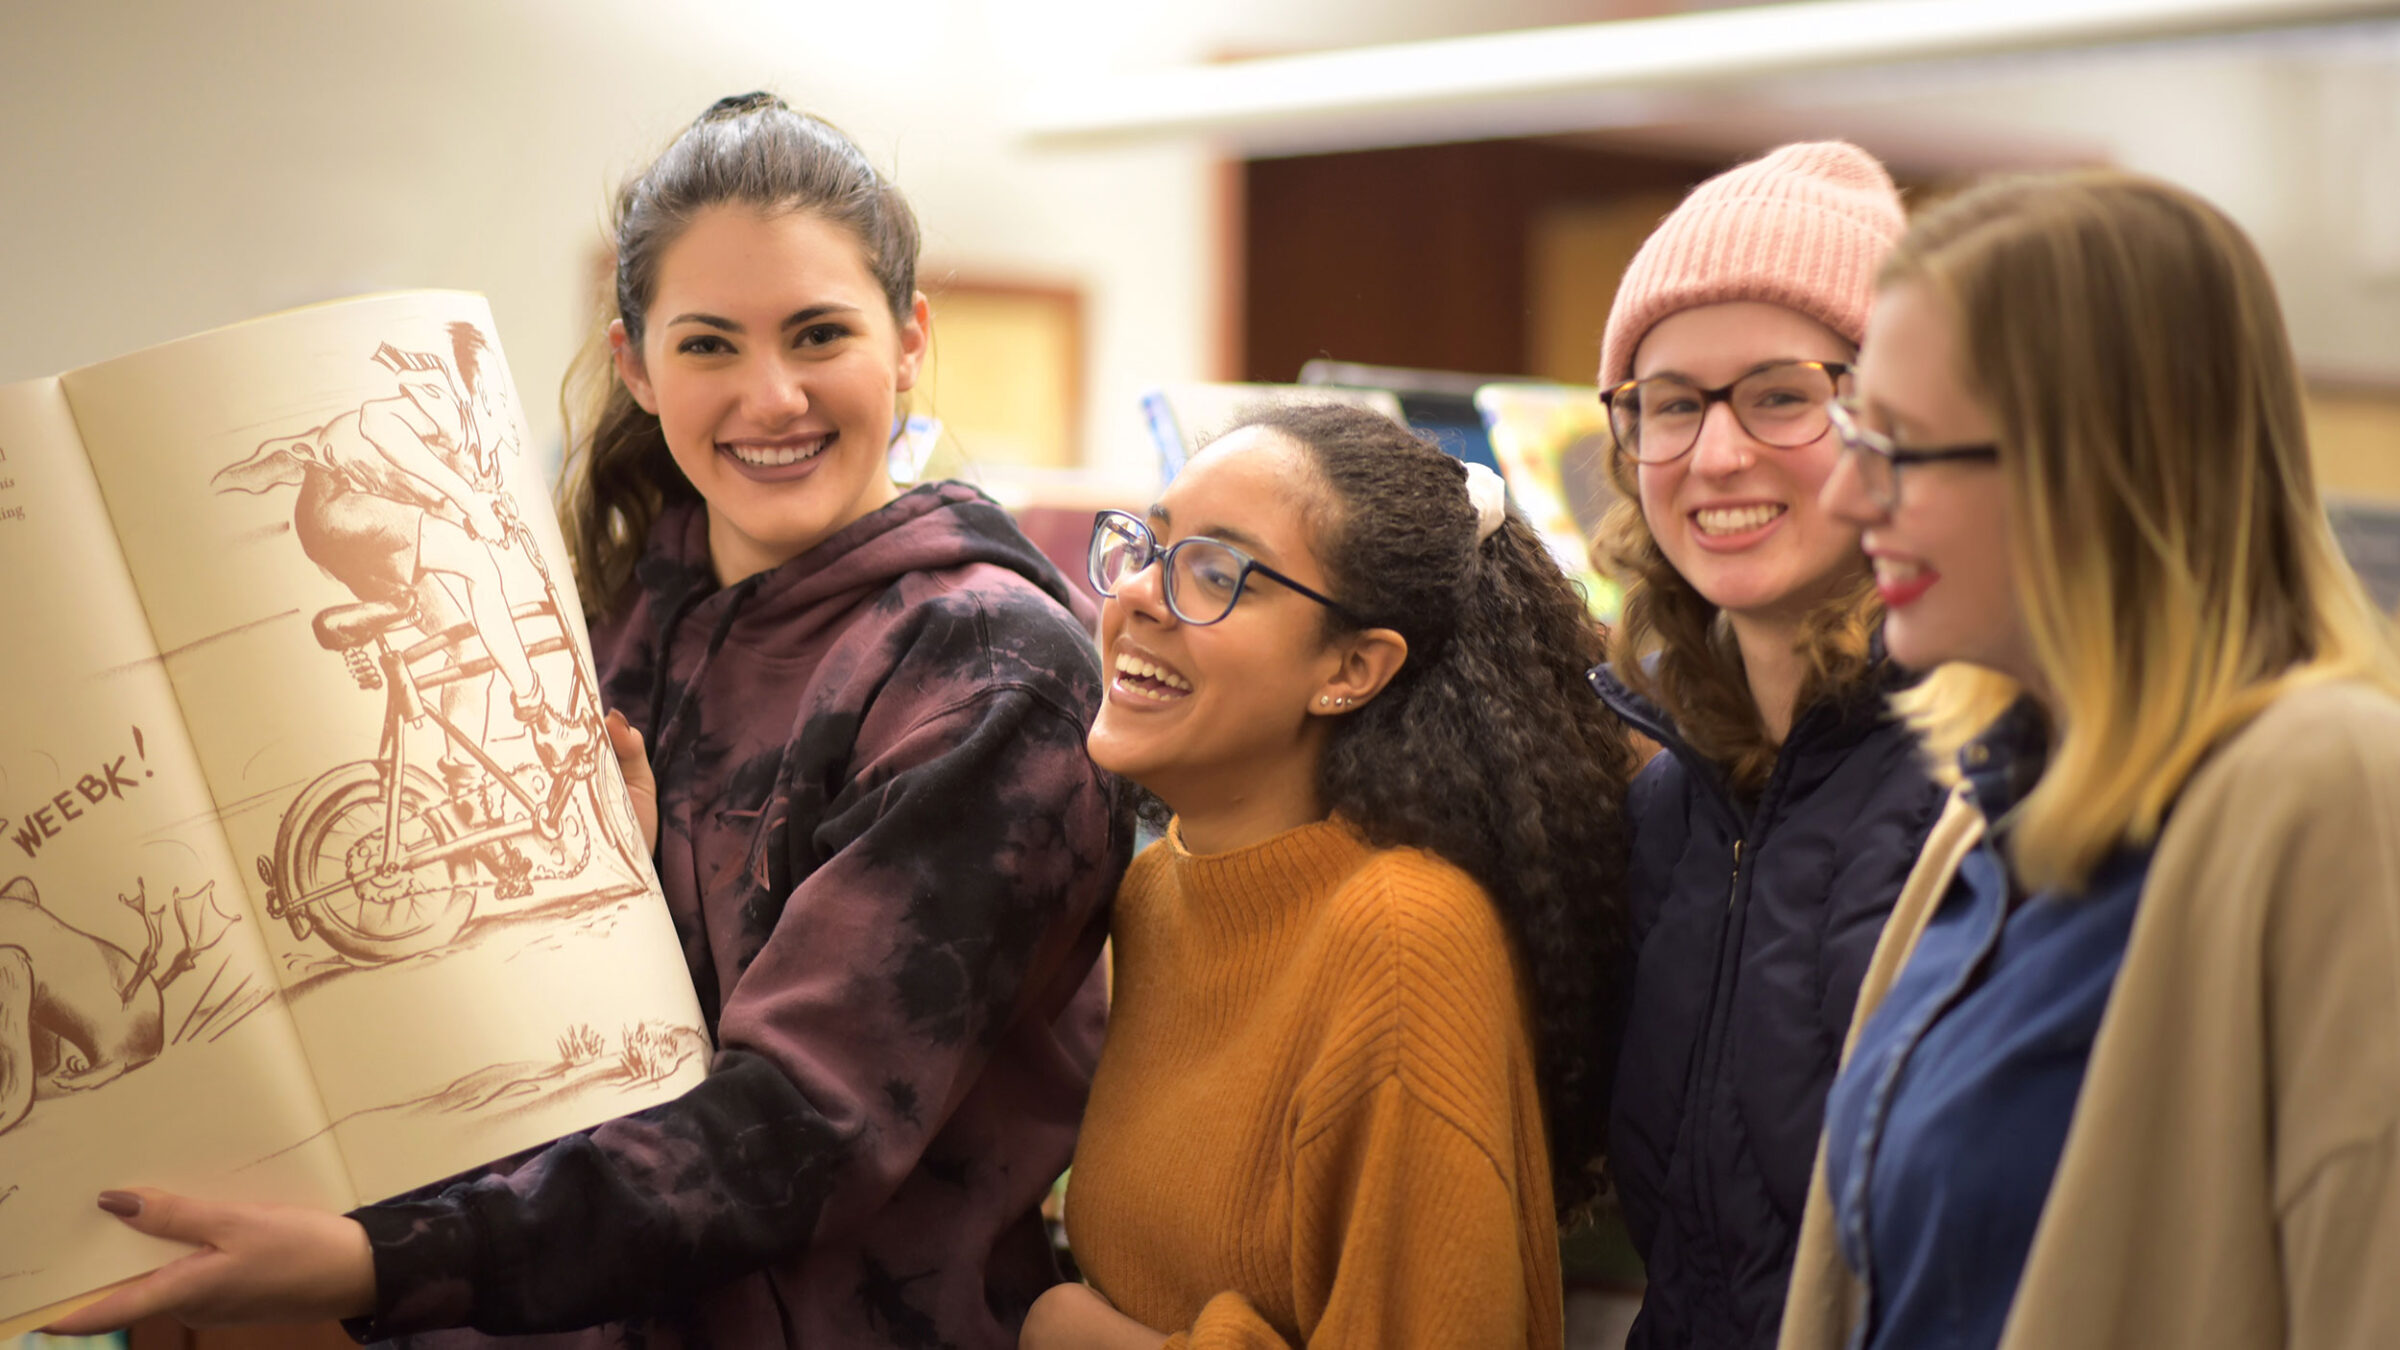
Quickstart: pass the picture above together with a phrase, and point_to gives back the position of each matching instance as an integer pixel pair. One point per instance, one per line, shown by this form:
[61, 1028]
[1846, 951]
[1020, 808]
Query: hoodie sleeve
[953, 887]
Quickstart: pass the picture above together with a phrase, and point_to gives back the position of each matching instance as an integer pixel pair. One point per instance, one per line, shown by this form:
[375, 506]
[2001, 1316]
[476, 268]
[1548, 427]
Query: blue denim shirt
[1945, 1128]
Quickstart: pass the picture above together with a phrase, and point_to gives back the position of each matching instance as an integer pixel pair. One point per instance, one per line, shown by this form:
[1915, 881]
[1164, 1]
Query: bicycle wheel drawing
[613, 811]
[330, 856]
[618, 827]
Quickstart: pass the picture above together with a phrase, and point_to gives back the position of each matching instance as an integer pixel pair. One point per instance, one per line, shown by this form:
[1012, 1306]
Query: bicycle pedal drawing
[400, 501]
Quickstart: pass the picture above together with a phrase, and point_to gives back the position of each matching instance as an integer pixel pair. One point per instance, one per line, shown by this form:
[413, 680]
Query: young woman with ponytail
[877, 828]
[1357, 1059]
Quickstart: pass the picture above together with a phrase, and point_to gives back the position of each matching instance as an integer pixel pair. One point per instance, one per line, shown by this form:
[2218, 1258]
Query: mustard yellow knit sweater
[1315, 1120]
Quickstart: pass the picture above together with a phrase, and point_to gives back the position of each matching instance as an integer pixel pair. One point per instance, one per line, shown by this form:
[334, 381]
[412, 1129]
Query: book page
[346, 551]
[142, 1039]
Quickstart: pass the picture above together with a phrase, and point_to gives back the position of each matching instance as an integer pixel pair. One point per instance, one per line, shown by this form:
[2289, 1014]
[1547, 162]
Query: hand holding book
[641, 786]
[277, 1263]
[255, 1263]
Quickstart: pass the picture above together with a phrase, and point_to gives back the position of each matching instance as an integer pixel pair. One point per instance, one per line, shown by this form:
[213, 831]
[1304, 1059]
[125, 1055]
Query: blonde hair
[2173, 563]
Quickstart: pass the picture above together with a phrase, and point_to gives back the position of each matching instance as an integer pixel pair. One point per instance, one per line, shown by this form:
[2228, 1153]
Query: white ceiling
[1729, 67]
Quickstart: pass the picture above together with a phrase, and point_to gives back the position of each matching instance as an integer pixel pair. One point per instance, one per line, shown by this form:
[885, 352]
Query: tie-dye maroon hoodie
[889, 860]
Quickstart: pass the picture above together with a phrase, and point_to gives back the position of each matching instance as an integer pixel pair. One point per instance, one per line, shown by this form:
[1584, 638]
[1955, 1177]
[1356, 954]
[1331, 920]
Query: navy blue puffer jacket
[1752, 925]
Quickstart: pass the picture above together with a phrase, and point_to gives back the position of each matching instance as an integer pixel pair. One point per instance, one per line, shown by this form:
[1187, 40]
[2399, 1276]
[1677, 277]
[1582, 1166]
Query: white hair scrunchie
[1489, 496]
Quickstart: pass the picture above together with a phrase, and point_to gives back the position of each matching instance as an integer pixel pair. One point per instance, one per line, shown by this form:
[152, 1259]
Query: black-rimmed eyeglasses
[1657, 420]
[1878, 457]
[1204, 576]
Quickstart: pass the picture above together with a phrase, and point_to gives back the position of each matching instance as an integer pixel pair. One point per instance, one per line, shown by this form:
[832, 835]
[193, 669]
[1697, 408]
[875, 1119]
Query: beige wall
[2356, 436]
[169, 167]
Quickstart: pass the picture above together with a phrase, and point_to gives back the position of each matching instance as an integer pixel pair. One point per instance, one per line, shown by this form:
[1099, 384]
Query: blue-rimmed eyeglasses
[1204, 576]
[1878, 457]
[1657, 420]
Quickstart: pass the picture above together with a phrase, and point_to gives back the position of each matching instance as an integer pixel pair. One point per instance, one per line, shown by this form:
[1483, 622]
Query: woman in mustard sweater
[1357, 1060]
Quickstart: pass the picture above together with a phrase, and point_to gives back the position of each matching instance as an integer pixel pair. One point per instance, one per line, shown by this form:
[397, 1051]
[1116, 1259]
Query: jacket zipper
[1702, 771]
[1733, 892]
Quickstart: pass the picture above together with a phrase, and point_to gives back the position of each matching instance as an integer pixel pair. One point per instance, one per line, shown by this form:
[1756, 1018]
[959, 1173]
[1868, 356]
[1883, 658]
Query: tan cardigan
[2230, 1178]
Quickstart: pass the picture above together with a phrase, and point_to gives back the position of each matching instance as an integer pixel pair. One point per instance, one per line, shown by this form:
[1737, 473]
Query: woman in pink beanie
[1772, 836]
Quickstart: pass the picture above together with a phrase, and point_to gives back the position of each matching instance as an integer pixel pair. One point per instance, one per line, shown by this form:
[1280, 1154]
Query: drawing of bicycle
[383, 859]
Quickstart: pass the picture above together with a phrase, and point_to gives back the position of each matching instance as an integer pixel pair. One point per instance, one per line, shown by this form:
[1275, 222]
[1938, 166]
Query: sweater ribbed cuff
[425, 1253]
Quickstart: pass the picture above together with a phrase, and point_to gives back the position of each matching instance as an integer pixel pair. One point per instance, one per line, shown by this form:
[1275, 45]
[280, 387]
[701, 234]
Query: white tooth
[1128, 664]
[1735, 520]
[772, 457]
[1134, 665]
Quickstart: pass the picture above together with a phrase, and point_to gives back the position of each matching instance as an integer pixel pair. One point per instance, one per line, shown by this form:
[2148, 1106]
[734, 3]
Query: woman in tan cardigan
[2126, 1069]
[1357, 1058]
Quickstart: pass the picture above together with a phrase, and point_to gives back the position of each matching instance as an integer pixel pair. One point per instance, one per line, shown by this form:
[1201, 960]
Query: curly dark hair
[1488, 748]
[748, 150]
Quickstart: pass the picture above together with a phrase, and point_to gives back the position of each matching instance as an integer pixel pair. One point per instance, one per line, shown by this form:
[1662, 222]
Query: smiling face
[772, 363]
[1738, 518]
[1942, 557]
[1225, 720]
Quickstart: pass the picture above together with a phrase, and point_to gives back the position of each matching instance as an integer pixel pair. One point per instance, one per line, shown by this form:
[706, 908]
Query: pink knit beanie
[1804, 228]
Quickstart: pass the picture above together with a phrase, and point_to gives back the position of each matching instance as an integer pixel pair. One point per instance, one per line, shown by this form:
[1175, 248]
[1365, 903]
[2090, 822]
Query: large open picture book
[318, 881]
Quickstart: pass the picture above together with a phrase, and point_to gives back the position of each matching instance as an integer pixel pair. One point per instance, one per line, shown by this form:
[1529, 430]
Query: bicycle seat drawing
[400, 500]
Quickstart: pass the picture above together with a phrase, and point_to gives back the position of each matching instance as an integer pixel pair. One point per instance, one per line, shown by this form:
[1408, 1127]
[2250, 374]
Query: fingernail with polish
[123, 1204]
